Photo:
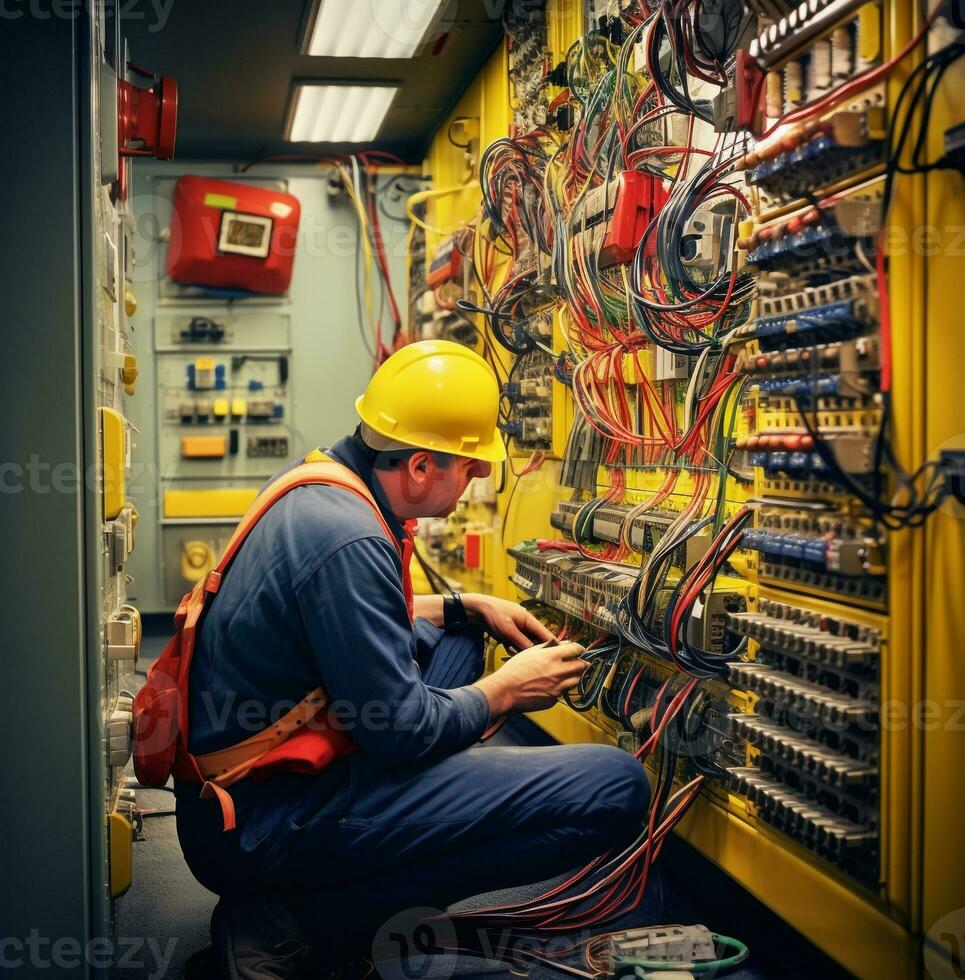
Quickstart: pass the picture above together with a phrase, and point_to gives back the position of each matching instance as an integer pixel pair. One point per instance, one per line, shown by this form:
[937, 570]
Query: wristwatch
[454, 612]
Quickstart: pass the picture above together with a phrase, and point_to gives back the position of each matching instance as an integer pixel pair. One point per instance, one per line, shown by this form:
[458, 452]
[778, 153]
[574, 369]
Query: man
[415, 815]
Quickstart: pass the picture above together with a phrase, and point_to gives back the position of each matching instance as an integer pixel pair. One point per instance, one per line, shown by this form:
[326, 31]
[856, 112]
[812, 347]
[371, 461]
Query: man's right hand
[533, 679]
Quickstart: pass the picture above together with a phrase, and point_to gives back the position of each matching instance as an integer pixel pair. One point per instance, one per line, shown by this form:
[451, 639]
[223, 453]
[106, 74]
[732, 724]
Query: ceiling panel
[235, 64]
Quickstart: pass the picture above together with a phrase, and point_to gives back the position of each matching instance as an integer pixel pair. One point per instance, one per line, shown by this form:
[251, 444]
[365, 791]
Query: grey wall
[329, 367]
[47, 422]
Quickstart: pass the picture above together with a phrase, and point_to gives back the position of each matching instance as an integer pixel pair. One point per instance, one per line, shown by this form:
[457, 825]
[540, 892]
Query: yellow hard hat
[436, 395]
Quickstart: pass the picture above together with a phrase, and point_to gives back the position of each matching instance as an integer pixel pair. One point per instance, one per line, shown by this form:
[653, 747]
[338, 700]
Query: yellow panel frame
[848, 926]
[942, 897]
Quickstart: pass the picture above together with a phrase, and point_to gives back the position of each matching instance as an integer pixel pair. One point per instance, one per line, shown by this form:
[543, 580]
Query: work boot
[257, 939]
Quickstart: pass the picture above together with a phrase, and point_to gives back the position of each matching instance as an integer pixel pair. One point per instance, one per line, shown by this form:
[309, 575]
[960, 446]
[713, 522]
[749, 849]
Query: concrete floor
[166, 912]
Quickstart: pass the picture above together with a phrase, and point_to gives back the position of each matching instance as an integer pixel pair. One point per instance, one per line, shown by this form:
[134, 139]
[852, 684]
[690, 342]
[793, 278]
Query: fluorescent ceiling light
[371, 28]
[339, 113]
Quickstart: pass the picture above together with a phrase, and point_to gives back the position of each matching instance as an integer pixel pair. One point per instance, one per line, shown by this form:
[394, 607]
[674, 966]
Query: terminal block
[849, 845]
[791, 453]
[643, 534]
[846, 363]
[827, 151]
[267, 446]
[817, 637]
[781, 745]
[592, 591]
[817, 238]
[813, 737]
[816, 48]
[811, 547]
[826, 313]
[817, 704]
[528, 399]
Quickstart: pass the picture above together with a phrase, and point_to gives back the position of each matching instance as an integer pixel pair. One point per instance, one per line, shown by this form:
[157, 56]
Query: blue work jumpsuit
[416, 816]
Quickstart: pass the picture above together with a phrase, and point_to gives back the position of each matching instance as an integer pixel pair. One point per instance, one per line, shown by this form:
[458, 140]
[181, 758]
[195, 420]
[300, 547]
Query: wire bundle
[680, 309]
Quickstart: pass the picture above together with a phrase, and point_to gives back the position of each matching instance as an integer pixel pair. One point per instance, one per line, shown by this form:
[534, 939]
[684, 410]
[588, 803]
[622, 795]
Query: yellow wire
[363, 232]
[416, 199]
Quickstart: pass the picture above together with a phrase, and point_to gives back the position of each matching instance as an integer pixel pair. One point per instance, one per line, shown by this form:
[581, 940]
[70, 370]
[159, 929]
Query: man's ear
[419, 462]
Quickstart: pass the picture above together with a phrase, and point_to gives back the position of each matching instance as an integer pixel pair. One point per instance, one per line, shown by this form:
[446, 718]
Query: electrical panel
[119, 621]
[681, 259]
[526, 31]
[131, 113]
[435, 313]
[224, 404]
[231, 407]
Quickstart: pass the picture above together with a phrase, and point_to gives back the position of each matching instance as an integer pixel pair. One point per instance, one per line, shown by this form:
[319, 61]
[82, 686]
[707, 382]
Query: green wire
[641, 967]
[735, 394]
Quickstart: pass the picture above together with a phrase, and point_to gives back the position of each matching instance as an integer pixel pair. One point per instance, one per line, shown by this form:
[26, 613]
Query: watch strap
[454, 612]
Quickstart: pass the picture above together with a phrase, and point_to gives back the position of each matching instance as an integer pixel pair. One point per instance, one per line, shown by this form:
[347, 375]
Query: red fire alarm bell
[147, 121]
[232, 235]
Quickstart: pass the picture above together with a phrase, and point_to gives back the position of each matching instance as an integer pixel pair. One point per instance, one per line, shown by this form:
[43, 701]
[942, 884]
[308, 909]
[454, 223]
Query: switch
[119, 739]
[197, 559]
[201, 374]
[113, 461]
[129, 373]
[123, 634]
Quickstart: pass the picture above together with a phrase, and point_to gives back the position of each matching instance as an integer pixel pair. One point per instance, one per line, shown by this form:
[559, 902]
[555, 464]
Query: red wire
[383, 261]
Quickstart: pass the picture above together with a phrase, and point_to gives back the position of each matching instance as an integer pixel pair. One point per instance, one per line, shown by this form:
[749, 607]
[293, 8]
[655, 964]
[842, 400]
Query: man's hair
[392, 458]
[395, 456]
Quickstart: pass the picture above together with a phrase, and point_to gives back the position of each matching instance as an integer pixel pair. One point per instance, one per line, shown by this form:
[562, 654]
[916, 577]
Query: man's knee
[627, 784]
[620, 789]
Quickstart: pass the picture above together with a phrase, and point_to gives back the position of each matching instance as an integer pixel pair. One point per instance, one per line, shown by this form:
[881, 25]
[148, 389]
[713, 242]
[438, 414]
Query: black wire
[435, 578]
[459, 146]
[395, 183]
[590, 685]
[922, 97]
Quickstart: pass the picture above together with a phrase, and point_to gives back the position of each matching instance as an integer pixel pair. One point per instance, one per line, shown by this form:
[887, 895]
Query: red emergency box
[617, 215]
[446, 266]
[639, 197]
[232, 235]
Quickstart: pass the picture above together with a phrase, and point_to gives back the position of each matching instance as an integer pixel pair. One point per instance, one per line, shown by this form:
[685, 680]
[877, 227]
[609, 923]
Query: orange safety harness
[303, 740]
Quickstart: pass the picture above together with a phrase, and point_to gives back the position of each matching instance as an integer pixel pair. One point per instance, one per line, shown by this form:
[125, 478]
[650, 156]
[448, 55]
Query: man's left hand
[508, 622]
